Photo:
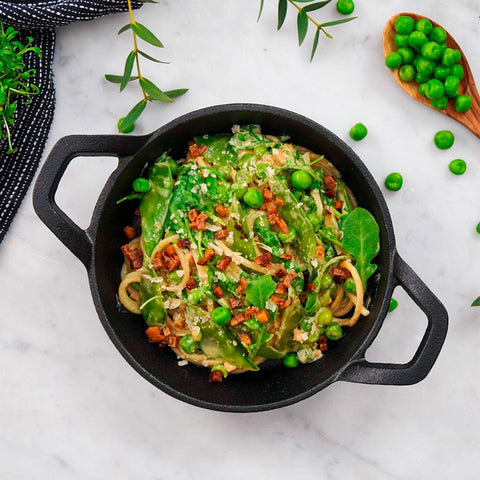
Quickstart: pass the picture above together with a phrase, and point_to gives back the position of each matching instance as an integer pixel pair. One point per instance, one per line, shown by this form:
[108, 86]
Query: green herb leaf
[259, 290]
[337, 22]
[149, 57]
[153, 91]
[362, 240]
[127, 72]
[117, 78]
[126, 27]
[145, 34]
[260, 10]
[176, 93]
[315, 43]
[476, 302]
[282, 12]
[302, 26]
[132, 116]
[315, 6]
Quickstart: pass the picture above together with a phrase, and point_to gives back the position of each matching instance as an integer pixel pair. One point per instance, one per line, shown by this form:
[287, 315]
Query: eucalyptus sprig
[304, 19]
[14, 79]
[150, 92]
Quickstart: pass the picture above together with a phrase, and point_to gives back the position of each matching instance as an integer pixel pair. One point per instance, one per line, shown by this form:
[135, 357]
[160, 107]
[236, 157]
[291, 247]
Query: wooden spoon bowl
[471, 118]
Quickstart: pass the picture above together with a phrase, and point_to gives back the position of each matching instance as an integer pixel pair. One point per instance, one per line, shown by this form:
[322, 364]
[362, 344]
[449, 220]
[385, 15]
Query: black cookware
[98, 247]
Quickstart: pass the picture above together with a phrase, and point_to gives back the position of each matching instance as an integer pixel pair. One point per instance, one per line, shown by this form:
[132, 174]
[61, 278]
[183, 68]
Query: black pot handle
[362, 371]
[77, 240]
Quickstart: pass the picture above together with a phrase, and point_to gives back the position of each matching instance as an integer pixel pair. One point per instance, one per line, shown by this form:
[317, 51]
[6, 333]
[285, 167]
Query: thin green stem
[135, 49]
[319, 27]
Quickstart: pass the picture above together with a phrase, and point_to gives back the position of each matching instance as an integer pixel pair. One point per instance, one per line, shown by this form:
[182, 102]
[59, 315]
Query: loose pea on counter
[358, 132]
[444, 139]
[345, 7]
[457, 166]
[394, 181]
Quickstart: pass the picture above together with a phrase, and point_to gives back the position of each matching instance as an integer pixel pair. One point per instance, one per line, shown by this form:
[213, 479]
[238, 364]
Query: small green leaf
[316, 6]
[282, 12]
[143, 54]
[176, 93]
[132, 116]
[126, 27]
[127, 72]
[153, 91]
[260, 10]
[338, 22]
[117, 78]
[259, 290]
[302, 26]
[315, 44]
[476, 302]
[145, 34]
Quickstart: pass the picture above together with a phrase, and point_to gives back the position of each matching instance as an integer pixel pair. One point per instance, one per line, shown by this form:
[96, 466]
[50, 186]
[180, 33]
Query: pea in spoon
[470, 118]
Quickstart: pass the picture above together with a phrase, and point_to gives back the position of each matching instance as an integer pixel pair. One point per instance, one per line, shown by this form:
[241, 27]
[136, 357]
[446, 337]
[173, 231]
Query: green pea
[173, 278]
[306, 324]
[421, 88]
[438, 34]
[141, 185]
[449, 57]
[324, 317]
[443, 139]
[419, 78]
[435, 89]
[324, 298]
[291, 360]
[424, 25]
[349, 285]
[407, 54]
[406, 73]
[314, 220]
[457, 166]
[440, 103]
[404, 24]
[188, 344]
[261, 169]
[289, 237]
[253, 198]
[394, 181]
[334, 331]
[452, 85]
[400, 40]
[326, 281]
[478, 227]
[358, 132]
[417, 39]
[463, 103]
[260, 150]
[425, 66]
[345, 7]
[301, 179]
[221, 315]
[431, 50]
[393, 305]
[196, 296]
[173, 165]
[225, 171]
[441, 72]
[457, 71]
[393, 60]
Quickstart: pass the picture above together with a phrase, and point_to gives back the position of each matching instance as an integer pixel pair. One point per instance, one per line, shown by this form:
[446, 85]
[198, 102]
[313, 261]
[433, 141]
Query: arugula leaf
[259, 290]
[362, 240]
[476, 302]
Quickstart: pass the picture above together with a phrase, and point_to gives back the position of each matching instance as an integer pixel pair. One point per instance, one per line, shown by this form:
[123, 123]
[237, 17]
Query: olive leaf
[153, 91]
[337, 22]
[476, 302]
[282, 13]
[149, 57]
[361, 239]
[117, 78]
[126, 123]
[145, 34]
[315, 44]
[302, 25]
[127, 71]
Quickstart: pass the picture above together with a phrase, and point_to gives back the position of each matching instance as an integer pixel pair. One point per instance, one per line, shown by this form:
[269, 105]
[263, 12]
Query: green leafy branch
[150, 91]
[304, 19]
[14, 79]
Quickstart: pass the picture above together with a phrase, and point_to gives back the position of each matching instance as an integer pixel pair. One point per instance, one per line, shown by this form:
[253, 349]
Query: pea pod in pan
[291, 318]
[295, 217]
[151, 303]
[154, 205]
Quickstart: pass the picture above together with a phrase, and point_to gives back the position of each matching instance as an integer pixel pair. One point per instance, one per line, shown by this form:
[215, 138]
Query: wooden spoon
[471, 118]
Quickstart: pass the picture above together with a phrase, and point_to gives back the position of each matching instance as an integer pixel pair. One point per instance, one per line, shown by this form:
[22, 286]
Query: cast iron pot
[98, 247]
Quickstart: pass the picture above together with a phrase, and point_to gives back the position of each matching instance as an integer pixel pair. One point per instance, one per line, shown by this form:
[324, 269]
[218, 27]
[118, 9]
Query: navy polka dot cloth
[33, 121]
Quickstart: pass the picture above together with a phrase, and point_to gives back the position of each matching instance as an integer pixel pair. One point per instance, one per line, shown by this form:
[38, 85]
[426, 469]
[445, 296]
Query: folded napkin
[33, 121]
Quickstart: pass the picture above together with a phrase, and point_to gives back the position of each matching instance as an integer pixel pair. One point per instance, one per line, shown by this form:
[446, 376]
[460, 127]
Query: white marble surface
[72, 408]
